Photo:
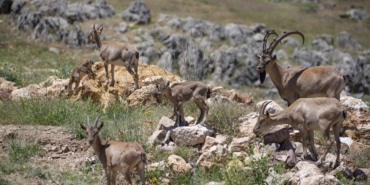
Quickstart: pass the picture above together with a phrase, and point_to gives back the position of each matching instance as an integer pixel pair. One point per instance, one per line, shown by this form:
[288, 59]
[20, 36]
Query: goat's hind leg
[141, 170]
[133, 74]
[203, 110]
[336, 132]
[329, 143]
[304, 143]
[312, 145]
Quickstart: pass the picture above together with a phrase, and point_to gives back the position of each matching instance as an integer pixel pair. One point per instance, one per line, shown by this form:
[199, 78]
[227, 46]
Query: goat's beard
[262, 76]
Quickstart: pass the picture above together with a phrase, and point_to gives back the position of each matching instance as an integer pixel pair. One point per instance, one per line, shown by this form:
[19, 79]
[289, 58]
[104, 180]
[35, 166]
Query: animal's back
[319, 108]
[321, 81]
[123, 153]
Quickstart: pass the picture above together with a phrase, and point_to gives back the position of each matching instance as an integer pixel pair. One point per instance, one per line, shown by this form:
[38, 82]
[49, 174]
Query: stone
[178, 164]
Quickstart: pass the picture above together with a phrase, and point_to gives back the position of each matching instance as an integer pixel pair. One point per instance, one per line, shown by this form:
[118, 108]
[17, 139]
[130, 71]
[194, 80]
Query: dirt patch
[62, 151]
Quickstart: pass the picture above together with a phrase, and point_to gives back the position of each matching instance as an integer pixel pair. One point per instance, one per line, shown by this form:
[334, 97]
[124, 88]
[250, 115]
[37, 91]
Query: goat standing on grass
[298, 82]
[116, 53]
[180, 93]
[307, 115]
[116, 156]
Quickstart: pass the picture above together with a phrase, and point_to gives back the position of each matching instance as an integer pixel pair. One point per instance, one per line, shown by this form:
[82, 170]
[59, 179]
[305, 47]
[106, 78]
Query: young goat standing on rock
[307, 115]
[116, 53]
[79, 71]
[180, 93]
[116, 156]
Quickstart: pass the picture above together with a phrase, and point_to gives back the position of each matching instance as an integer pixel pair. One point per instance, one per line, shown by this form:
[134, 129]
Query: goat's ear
[258, 57]
[267, 114]
[82, 127]
[274, 57]
[101, 125]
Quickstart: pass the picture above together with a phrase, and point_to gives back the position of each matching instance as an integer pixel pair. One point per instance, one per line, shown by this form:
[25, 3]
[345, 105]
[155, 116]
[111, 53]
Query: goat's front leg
[182, 116]
[76, 87]
[108, 173]
[113, 177]
[106, 74]
[174, 112]
[112, 71]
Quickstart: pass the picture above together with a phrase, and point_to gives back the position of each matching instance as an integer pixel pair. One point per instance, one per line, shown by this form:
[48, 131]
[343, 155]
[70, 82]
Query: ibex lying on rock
[298, 82]
[307, 115]
[116, 53]
[79, 71]
[116, 156]
[180, 93]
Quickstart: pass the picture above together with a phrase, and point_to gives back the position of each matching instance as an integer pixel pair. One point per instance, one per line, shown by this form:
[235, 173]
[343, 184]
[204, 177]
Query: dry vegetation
[136, 124]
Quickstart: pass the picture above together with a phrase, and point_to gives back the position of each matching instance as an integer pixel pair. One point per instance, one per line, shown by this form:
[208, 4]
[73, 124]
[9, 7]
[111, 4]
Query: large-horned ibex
[79, 71]
[116, 156]
[298, 82]
[116, 53]
[307, 115]
[180, 93]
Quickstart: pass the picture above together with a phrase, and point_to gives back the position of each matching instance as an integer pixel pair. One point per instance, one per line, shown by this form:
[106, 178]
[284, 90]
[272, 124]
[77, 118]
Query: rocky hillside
[193, 48]
[178, 49]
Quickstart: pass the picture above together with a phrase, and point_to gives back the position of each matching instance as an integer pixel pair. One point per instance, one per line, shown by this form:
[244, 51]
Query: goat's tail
[137, 54]
[143, 158]
[344, 114]
[209, 90]
[347, 78]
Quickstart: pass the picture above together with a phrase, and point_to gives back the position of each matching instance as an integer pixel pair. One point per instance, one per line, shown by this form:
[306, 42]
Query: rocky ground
[61, 150]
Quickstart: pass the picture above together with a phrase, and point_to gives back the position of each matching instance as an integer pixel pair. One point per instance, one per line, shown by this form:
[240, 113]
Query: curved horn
[96, 121]
[281, 37]
[268, 33]
[263, 107]
[88, 121]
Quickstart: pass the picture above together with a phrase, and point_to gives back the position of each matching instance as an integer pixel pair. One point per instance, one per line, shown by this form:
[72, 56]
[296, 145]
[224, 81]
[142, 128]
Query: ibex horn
[96, 121]
[268, 33]
[281, 37]
[263, 107]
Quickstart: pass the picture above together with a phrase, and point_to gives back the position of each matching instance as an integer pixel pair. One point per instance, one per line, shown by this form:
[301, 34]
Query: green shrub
[9, 75]
[360, 158]
[224, 117]
[20, 151]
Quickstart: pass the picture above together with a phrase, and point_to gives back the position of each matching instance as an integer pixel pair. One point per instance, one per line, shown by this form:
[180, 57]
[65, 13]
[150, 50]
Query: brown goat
[180, 93]
[116, 156]
[307, 115]
[79, 71]
[298, 82]
[116, 53]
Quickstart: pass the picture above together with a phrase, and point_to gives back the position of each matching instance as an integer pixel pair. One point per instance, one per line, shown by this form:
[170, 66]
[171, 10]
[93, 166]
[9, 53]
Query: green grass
[20, 151]
[223, 117]
[25, 62]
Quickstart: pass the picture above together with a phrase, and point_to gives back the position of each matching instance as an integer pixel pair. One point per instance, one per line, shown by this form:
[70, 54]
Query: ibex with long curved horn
[116, 53]
[298, 82]
[307, 115]
[116, 156]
